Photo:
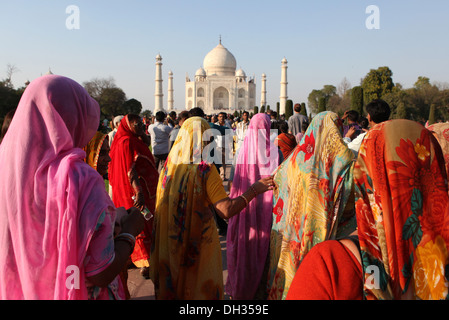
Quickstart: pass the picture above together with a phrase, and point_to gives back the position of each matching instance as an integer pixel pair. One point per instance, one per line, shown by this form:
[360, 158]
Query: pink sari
[50, 199]
[248, 237]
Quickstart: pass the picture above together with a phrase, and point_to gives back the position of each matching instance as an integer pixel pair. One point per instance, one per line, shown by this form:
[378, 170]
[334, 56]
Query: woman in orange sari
[133, 177]
[402, 217]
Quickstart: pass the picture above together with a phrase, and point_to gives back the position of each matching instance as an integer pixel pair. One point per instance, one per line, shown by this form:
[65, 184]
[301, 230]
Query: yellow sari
[186, 252]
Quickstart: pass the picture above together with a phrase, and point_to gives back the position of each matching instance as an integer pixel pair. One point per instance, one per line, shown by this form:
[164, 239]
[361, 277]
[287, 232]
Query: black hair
[378, 110]
[363, 122]
[283, 126]
[160, 116]
[196, 112]
[353, 115]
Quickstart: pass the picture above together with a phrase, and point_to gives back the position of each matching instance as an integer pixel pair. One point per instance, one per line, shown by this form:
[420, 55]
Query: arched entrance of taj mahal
[221, 99]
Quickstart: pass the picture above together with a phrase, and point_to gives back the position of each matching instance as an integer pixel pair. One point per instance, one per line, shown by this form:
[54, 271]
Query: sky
[324, 41]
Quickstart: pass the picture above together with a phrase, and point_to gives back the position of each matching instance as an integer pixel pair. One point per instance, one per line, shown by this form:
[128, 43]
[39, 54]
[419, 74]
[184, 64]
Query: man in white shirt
[160, 138]
[378, 111]
[240, 131]
[115, 123]
[224, 148]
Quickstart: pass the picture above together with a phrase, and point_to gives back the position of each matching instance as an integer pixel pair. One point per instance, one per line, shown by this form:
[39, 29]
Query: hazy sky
[324, 41]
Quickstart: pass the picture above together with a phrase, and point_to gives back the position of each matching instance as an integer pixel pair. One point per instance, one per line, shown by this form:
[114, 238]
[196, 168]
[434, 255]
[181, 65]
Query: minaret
[263, 98]
[170, 92]
[158, 94]
[283, 98]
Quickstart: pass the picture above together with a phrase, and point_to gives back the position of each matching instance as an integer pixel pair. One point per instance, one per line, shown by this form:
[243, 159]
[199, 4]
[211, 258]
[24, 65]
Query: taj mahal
[218, 86]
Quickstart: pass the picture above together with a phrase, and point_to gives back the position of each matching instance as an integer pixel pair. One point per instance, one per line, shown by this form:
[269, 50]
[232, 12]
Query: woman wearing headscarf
[56, 219]
[248, 238]
[313, 202]
[97, 153]
[402, 218]
[133, 177]
[285, 141]
[186, 254]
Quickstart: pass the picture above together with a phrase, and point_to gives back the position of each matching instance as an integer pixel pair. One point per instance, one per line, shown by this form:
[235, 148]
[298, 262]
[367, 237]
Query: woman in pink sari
[248, 237]
[56, 219]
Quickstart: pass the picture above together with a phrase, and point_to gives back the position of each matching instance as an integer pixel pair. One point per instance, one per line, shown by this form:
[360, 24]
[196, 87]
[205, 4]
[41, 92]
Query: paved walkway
[143, 289]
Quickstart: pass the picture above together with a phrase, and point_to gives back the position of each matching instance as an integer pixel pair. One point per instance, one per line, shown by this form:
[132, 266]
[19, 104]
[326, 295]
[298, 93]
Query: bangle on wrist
[244, 198]
[129, 238]
[254, 190]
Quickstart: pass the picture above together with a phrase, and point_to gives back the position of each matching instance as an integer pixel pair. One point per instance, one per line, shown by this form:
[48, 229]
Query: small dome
[220, 61]
[200, 73]
[240, 73]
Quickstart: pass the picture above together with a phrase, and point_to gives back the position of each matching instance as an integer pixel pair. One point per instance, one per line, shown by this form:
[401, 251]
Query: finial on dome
[220, 38]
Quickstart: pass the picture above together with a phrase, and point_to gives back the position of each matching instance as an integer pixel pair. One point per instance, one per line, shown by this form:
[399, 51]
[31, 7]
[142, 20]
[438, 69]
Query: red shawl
[128, 151]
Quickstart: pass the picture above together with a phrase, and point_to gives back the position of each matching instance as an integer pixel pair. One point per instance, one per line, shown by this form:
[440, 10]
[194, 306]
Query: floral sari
[313, 200]
[402, 212]
[186, 255]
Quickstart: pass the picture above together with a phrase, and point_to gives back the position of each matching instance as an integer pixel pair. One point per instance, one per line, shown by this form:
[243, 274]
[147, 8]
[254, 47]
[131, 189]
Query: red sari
[127, 152]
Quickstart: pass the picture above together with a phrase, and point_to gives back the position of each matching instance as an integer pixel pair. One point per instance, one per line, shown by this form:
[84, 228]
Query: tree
[326, 92]
[432, 115]
[303, 109]
[397, 99]
[96, 86]
[322, 105]
[132, 106]
[9, 96]
[288, 109]
[262, 109]
[256, 110]
[357, 99]
[377, 83]
[111, 102]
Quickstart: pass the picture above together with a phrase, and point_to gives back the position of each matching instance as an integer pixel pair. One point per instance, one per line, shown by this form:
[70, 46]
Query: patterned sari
[313, 200]
[402, 212]
[93, 149]
[441, 132]
[186, 255]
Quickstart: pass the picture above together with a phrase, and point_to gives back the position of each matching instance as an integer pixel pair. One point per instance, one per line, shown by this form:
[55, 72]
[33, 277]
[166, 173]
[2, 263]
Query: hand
[350, 133]
[133, 223]
[139, 201]
[120, 214]
[263, 185]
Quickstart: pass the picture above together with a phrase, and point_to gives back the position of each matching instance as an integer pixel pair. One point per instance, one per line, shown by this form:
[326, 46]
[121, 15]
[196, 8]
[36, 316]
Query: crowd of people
[329, 207]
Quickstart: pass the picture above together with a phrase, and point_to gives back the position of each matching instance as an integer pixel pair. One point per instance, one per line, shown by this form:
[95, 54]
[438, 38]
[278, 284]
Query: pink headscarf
[50, 200]
[248, 236]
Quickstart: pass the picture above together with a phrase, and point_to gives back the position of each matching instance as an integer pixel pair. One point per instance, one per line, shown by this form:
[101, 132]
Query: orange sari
[402, 212]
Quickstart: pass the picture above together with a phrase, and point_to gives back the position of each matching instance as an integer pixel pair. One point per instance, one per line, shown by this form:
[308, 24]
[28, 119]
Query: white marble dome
[220, 62]
[240, 73]
[200, 73]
